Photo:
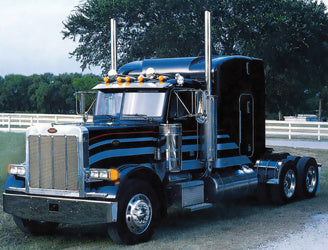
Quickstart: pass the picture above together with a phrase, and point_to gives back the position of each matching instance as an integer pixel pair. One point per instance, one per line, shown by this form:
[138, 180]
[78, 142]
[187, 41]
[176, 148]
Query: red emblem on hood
[52, 130]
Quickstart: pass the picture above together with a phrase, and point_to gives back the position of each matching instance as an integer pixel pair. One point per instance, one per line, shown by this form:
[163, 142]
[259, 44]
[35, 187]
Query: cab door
[246, 124]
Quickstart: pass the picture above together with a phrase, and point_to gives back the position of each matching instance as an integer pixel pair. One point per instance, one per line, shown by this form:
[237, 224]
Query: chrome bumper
[61, 210]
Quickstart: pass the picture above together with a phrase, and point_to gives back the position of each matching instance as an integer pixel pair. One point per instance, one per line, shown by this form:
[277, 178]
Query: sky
[31, 40]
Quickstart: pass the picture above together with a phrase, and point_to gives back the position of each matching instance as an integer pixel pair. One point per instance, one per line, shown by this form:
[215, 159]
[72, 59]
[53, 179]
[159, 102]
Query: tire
[307, 177]
[285, 191]
[35, 227]
[138, 212]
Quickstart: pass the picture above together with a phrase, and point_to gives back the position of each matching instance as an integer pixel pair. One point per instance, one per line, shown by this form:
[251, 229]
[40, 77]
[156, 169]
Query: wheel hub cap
[289, 183]
[311, 179]
[138, 213]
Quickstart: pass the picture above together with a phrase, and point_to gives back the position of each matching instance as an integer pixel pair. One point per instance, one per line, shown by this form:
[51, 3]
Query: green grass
[12, 150]
[238, 225]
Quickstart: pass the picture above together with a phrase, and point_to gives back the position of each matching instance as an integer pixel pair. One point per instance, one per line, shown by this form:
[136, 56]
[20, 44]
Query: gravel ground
[313, 236]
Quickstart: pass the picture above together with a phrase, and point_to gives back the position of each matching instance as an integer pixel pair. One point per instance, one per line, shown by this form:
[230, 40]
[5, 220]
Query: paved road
[314, 236]
[315, 233]
[297, 144]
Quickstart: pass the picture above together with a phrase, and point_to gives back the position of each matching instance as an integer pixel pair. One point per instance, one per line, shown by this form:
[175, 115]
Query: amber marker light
[161, 78]
[114, 174]
[119, 79]
[141, 80]
[106, 80]
[9, 165]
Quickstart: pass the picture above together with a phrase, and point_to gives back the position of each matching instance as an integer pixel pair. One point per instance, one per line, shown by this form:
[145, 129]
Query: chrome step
[197, 207]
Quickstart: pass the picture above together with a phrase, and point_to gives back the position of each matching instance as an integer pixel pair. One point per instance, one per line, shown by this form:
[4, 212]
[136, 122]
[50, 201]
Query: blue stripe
[223, 136]
[121, 140]
[186, 148]
[120, 152]
[227, 146]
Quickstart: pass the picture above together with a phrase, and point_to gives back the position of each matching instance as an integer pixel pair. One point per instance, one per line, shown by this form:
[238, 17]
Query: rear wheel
[35, 227]
[285, 191]
[138, 210]
[307, 177]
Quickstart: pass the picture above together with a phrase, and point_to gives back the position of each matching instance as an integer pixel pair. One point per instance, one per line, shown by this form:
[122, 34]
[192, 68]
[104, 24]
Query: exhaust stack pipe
[209, 129]
[208, 59]
[113, 70]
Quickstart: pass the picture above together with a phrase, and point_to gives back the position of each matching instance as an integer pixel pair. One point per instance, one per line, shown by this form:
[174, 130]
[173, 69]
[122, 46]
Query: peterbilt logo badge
[52, 130]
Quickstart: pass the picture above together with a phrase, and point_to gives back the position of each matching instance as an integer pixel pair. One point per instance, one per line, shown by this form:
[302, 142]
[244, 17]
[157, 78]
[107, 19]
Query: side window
[181, 105]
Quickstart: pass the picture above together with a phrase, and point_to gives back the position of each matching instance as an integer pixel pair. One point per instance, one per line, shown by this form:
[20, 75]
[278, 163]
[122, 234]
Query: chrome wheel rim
[289, 183]
[138, 214]
[311, 179]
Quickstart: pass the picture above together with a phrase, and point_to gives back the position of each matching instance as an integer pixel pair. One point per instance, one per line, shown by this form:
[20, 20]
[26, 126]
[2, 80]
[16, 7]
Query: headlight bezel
[103, 174]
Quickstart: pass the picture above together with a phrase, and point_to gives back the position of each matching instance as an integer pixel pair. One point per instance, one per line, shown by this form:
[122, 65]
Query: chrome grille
[53, 162]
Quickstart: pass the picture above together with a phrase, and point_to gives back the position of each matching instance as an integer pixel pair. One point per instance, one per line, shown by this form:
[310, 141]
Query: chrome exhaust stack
[113, 50]
[209, 128]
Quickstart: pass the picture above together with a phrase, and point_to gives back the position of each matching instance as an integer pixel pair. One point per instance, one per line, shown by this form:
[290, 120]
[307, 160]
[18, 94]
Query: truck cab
[158, 138]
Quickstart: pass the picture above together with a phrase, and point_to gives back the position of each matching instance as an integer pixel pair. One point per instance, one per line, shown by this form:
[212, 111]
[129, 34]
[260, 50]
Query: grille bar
[53, 162]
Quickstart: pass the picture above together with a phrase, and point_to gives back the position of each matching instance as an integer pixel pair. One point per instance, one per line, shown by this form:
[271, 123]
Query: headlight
[104, 174]
[16, 169]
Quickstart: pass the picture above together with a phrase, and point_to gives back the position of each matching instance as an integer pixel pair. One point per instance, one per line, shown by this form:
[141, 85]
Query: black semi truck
[181, 131]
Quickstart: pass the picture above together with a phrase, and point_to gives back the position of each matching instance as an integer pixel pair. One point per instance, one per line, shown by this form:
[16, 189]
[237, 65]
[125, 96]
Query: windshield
[108, 104]
[148, 104]
[135, 104]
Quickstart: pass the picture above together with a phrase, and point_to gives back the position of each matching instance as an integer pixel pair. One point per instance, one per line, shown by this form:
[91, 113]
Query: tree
[290, 35]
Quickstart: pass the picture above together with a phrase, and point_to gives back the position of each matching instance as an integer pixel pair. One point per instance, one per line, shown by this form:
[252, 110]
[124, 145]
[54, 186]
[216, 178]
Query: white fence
[282, 129]
[11, 122]
[295, 130]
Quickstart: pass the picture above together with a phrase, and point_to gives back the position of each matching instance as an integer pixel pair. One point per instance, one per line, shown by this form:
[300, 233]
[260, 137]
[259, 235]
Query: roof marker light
[106, 80]
[179, 78]
[140, 79]
[119, 79]
[150, 73]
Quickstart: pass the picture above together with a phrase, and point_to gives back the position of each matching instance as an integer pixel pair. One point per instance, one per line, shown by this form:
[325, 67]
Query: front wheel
[138, 210]
[35, 227]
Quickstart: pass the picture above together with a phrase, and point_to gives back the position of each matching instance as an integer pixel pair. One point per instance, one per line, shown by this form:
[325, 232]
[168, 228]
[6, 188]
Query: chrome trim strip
[57, 192]
[231, 161]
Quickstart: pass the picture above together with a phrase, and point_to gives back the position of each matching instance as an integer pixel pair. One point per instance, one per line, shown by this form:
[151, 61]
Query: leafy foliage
[289, 35]
[45, 93]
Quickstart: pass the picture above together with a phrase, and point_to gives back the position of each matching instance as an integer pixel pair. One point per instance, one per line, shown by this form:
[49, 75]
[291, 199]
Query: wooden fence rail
[293, 129]
[12, 122]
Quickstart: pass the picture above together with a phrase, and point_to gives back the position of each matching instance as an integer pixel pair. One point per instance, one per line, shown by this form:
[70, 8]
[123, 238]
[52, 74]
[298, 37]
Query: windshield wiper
[137, 115]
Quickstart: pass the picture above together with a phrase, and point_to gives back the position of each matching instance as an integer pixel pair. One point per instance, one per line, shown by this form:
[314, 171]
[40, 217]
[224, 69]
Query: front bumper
[58, 209]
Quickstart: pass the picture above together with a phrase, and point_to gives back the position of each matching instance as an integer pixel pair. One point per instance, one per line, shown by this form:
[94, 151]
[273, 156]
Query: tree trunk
[319, 110]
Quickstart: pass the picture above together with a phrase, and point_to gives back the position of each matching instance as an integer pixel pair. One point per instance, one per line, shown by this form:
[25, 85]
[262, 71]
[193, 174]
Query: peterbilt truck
[188, 132]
